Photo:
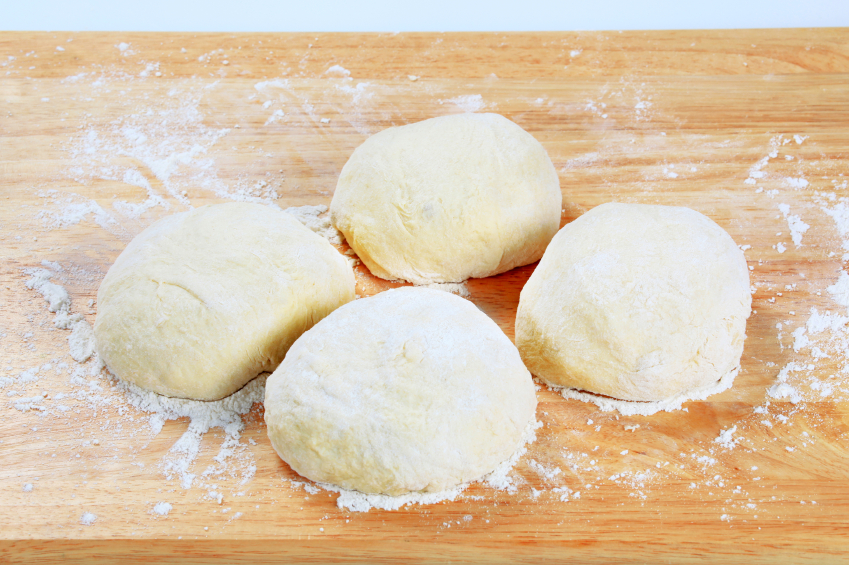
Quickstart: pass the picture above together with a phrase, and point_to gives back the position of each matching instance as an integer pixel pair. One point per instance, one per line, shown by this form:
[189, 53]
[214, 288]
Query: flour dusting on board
[69, 209]
[164, 154]
[634, 408]
[499, 479]
[162, 508]
[460, 289]
[225, 414]
[81, 340]
[469, 102]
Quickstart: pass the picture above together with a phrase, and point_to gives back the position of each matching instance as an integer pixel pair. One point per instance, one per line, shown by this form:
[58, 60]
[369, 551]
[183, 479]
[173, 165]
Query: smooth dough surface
[201, 302]
[411, 390]
[448, 198]
[637, 302]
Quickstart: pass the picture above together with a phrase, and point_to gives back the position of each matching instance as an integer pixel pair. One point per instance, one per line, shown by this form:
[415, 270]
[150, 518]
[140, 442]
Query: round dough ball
[449, 198]
[636, 302]
[411, 390]
[201, 302]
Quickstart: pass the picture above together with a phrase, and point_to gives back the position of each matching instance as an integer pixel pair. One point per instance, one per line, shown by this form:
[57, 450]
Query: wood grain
[677, 118]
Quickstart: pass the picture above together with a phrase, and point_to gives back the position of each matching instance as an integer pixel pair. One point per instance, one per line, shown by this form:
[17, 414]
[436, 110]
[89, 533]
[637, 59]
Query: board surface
[103, 133]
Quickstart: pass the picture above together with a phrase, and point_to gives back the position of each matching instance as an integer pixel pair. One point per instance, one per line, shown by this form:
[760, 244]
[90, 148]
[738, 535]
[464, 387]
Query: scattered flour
[81, 340]
[460, 289]
[824, 334]
[162, 508]
[468, 103]
[840, 290]
[276, 115]
[69, 209]
[311, 217]
[637, 481]
[308, 487]
[498, 479]
[547, 473]
[797, 226]
[796, 183]
[225, 414]
[840, 214]
[756, 170]
[565, 493]
[163, 139]
[781, 388]
[275, 83]
[338, 71]
[87, 519]
[634, 408]
[134, 210]
[726, 438]
[360, 502]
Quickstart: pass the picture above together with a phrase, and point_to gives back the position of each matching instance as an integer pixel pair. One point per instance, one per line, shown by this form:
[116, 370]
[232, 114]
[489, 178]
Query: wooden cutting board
[103, 133]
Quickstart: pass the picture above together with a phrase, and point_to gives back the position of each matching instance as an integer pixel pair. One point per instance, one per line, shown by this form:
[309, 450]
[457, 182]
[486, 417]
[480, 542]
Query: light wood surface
[675, 118]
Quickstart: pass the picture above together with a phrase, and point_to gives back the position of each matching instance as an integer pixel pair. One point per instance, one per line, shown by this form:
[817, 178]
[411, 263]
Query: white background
[419, 15]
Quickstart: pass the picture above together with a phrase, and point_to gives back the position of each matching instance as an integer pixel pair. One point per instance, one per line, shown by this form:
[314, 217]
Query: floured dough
[449, 198]
[411, 390]
[636, 302]
[201, 302]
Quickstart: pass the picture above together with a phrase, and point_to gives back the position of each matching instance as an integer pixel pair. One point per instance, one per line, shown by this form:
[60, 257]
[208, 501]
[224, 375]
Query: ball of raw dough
[411, 390]
[449, 198]
[636, 302]
[201, 302]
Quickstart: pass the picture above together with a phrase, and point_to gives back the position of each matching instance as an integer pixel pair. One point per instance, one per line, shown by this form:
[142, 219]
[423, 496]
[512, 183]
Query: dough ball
[411, 390]
[636, 302]
[201, 302]
[449, 198]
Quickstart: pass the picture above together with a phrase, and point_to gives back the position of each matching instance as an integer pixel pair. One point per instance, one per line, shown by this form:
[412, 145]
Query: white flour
[468, 102]
[338, 71]
[823, 335]
[726, 438]
[81, 340]
[797, 226]
[840, 290]
[162, 508]
[168, 152]
[499, 479]
[317, 219]
[460, 289]
[547, 473]
[635, 408]
[225, 414]
[756, 171]
[68, 209]
[796, 183]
